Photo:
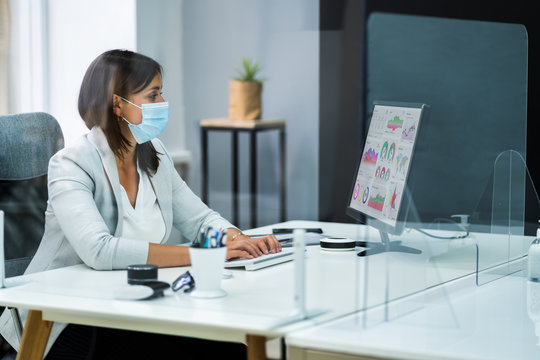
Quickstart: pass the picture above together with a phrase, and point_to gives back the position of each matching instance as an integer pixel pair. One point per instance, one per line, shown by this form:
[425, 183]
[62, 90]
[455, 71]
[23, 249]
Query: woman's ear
[117, 108]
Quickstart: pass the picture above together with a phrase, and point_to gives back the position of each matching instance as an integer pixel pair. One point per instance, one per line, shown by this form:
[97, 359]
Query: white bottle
[533, 306]
[534, 257]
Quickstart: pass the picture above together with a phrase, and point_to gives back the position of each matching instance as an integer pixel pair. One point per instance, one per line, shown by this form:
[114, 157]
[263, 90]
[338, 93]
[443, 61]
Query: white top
[145, 221]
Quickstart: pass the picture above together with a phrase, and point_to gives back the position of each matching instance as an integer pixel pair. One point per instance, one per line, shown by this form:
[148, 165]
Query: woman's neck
[128, 175]
[127, 160]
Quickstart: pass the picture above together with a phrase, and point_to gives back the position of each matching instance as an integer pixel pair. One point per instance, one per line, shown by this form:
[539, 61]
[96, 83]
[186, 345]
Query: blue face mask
[154, 120]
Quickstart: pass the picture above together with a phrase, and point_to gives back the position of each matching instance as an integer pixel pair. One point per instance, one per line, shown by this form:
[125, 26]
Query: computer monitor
[379, 193]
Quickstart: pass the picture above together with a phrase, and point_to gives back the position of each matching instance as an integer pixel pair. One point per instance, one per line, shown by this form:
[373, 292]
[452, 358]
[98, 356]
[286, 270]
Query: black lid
[141, 273]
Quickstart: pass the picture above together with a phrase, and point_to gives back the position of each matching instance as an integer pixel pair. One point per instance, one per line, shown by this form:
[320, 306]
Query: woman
[114, 195]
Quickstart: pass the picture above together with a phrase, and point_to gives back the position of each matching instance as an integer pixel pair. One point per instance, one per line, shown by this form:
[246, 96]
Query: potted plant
[245, 102]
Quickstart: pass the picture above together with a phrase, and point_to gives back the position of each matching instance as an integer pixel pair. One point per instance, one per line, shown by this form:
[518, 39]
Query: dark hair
[120, 72]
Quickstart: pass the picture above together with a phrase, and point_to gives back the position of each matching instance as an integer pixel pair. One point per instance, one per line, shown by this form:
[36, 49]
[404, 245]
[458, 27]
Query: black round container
[139, 274]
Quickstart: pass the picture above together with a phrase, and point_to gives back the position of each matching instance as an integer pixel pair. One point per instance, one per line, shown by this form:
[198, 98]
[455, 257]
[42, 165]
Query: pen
[214, 239]
[198, 240]
[207, 235]
[222, 238]
[211, 238]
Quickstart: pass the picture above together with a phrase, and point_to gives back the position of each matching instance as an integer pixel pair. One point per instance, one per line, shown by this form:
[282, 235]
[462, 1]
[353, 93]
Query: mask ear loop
[126, 100]
[129, 102]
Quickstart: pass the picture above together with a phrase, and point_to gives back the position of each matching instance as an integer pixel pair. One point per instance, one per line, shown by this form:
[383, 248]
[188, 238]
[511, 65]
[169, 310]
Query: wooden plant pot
[245, 100]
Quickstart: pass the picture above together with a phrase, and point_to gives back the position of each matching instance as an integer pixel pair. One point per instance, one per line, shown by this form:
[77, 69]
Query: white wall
[284, 36]
[79, 31]
[27, 56]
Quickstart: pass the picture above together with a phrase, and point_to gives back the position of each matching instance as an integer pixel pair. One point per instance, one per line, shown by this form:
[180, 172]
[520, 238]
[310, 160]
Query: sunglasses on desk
[184, 282]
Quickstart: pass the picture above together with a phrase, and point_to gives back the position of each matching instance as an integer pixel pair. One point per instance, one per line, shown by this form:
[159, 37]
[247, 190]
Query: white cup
[207, 269]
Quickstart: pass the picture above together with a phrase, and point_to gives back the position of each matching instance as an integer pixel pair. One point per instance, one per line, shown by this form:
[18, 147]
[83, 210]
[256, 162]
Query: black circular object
[158, 287]
[139, 274]
[337, 244]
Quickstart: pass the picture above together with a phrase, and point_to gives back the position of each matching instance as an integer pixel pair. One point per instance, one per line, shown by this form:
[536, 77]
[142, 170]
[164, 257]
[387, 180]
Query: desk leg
[204, 148]
[256, 347]
[253, 185]
[235, 176]
[35, 335]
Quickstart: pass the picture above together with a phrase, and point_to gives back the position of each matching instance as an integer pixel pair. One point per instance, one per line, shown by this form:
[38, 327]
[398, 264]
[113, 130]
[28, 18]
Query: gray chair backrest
[27, 142]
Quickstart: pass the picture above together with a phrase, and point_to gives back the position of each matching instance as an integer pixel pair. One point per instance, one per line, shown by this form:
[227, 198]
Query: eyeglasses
[184, 281]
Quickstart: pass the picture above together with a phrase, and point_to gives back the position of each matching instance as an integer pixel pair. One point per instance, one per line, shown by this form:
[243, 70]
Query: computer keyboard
[261, 261]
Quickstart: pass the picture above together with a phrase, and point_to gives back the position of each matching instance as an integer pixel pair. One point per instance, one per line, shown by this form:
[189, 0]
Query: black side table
[252, 127]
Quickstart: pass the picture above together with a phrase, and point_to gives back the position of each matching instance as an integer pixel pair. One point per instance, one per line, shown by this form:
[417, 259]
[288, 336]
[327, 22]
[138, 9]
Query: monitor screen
[384, 165]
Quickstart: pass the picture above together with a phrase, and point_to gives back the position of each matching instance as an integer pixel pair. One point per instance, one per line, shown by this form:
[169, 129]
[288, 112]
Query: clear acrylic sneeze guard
[403, 278]
[504, 243]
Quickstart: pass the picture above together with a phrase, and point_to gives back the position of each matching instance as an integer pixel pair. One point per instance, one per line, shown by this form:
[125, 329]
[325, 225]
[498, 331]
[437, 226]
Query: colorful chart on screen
[385, 162]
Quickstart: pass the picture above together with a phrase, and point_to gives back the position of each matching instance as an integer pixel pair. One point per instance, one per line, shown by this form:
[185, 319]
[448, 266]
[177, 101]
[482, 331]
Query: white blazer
[84, 214]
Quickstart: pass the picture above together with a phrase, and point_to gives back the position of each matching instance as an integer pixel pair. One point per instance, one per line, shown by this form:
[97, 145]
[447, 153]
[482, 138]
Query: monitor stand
[385, 245]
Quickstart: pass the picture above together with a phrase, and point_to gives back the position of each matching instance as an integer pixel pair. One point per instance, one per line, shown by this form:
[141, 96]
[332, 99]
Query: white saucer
[132, 292]
[208, 294]
[227, 274]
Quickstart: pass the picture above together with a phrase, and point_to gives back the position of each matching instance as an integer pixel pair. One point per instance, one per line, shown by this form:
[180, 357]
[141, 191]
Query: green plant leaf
[249, 71]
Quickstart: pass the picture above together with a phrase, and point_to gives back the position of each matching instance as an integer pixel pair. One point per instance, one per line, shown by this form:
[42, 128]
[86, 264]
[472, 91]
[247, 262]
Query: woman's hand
[240, 245]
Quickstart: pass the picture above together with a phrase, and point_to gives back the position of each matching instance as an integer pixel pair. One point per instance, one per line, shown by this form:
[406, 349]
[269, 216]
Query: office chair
[27, 142]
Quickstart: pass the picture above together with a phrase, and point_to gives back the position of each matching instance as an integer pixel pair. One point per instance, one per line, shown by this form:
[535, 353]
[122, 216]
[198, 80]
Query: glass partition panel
[455, 67]
[514, 199]
[510, 179]
[422, 256]
[473, 76]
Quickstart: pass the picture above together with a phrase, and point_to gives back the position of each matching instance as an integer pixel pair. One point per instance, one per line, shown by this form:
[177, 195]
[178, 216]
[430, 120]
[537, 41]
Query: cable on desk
[463, 236]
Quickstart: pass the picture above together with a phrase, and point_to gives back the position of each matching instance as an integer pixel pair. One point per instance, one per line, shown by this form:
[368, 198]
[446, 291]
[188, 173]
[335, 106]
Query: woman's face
[150, 94]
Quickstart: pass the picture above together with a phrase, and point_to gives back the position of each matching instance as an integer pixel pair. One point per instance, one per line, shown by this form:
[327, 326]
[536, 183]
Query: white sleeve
[190, 214]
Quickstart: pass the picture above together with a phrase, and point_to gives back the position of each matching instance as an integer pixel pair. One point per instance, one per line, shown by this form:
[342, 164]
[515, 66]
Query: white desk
[251, 312]
[491, 322]
[257, 302]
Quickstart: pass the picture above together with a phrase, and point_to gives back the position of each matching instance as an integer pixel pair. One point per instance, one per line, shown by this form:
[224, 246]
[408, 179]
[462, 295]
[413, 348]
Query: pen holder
[207, 269]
